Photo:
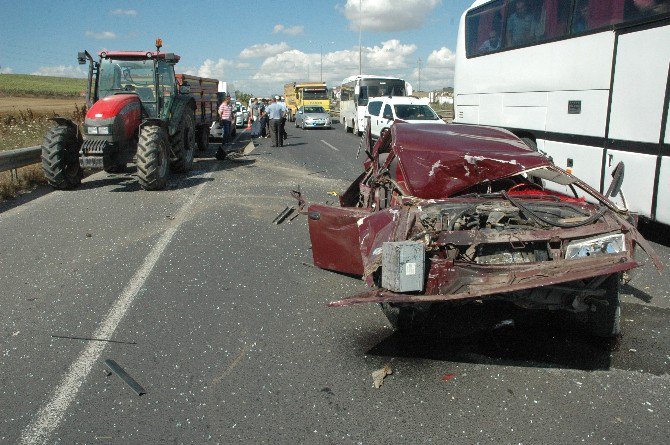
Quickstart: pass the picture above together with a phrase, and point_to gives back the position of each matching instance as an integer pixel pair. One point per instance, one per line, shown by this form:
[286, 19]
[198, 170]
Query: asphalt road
[220, 316]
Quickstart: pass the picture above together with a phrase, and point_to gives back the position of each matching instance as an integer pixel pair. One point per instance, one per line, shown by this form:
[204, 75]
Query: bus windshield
[379, 87]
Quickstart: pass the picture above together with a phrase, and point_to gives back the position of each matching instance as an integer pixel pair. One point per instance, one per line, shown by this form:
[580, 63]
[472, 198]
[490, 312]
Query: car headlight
[596, 246]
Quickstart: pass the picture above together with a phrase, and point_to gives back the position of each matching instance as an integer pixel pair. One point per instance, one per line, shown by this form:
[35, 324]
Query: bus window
[643, 9]
[484, 29]
[594, 14]
[534, 21]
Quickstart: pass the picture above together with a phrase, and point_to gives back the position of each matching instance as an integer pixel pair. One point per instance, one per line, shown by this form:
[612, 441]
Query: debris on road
[69, 337]
[283, 215]
[123, 375]
[448, 377]
[378, 376]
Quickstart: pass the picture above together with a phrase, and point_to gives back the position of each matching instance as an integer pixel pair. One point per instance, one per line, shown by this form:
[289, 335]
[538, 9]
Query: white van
[383, 111]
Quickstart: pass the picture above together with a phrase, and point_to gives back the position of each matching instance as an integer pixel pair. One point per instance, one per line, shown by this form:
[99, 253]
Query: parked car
[458, 213]
[241, 115]
[312, 116]
[383, 111]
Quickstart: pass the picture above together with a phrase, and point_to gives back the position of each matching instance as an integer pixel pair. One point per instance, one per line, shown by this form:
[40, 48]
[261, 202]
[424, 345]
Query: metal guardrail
[13, 159]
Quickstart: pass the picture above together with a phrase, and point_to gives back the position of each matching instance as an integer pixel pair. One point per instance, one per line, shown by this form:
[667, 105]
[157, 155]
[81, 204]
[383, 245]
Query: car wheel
[303, 125]
[406, 317]
[604, 319]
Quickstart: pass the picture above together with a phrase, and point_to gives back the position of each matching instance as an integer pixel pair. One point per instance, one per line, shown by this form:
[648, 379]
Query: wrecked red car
[459, 212]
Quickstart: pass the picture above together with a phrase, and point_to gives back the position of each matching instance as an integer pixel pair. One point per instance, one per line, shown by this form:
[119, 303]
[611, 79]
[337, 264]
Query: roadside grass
[28, 178]
[40, 86]
[26, 129]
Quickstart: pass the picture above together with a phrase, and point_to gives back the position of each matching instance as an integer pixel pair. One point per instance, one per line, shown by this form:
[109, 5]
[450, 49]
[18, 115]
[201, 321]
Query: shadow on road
[534, 339]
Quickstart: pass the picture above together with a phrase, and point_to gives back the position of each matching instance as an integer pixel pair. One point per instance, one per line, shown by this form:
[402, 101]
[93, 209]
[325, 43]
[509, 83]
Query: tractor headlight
[92, 130]
[596, 246]
[103, 130]
[99, 130]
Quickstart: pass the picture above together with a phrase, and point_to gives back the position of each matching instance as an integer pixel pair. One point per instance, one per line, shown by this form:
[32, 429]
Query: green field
[40, 86]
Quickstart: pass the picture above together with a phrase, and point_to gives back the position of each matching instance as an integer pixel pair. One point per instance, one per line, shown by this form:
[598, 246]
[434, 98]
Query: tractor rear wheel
[60, 157]
[202, 136]
[183, 143]
[152, 158]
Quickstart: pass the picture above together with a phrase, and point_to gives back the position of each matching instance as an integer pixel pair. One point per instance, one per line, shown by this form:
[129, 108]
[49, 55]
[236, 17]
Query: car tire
[604, 318]
[303, 126]
[408, 317]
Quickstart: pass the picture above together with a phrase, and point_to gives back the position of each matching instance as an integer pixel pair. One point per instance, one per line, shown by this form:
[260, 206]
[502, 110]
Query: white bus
[355, 92]
[585, 81]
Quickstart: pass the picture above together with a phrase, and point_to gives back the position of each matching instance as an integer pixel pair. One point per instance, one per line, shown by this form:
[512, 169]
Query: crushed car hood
[438, 161]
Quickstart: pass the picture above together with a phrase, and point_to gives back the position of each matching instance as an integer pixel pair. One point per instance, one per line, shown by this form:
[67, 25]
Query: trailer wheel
[153, 158]
[604, 318]
[60, 157]
[406, 318]
[202, 136]
[183, 143]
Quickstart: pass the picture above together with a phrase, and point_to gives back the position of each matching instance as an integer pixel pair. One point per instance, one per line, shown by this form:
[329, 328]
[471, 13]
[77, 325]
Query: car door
[334, 233]
[374, 108]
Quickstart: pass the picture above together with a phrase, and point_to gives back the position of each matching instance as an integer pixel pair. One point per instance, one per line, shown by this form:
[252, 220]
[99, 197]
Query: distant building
[442, 97]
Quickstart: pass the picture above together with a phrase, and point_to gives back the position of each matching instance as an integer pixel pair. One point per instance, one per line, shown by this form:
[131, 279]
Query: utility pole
[418, 63]
[321, 54]
[360, 31]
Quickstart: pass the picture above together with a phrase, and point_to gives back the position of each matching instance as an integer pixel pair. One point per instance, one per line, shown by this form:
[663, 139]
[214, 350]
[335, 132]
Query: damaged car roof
[440, 161]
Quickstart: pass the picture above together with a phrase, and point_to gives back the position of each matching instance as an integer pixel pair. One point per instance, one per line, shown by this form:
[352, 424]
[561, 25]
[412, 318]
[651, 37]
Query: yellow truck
[298, 94]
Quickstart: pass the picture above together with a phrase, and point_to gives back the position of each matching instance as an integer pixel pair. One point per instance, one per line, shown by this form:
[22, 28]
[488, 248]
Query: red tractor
[136, 109]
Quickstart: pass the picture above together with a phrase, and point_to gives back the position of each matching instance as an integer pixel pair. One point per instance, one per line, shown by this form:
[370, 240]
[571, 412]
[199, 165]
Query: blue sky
[258, 45]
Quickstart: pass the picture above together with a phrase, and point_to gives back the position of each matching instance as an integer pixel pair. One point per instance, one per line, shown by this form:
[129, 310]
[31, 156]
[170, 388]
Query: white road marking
[334, 148]
[50, 415]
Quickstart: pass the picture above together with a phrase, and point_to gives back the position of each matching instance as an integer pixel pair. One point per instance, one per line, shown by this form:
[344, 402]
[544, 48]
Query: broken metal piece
[123, 375]
[69, 337]
[280, 214]
[283, 215]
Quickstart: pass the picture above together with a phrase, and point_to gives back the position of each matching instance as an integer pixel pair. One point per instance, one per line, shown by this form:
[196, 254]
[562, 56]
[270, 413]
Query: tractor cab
[149, 75]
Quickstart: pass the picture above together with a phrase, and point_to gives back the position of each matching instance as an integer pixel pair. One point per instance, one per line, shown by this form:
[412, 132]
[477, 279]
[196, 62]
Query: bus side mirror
[357, 90]
[617, 180]
[81, 58]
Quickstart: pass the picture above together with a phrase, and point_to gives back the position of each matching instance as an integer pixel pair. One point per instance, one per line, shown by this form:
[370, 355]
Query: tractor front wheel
[152, 158]
[183, 143]
[60, 157]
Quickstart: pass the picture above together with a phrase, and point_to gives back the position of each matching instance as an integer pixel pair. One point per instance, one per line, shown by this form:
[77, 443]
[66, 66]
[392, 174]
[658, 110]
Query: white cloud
[104, 35]
[6, 70]
[61, 71]
[214, 70]
[130, 12]
[291, 30]
[437, 73]
[391, 58]
[388, 15]
[263, 50]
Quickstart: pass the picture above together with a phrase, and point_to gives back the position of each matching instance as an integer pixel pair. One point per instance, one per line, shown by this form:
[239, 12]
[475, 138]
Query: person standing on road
[282, 124]
[275, 113]
[226, 115]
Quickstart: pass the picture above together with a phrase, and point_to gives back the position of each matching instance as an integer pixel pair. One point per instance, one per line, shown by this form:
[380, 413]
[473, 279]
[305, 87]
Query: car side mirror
[617, 180]
[185, 88]
[299, 111]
